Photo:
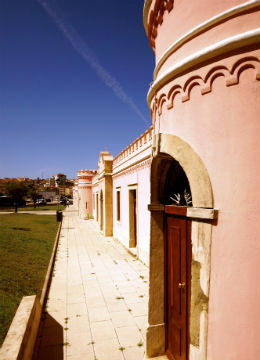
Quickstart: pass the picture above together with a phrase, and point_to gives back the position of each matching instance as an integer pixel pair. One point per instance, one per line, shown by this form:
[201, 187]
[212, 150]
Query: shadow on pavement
[50, 340]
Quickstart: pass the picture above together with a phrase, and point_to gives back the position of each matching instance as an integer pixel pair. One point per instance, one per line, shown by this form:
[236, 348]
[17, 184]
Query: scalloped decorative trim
[220, 48]
[231, 76]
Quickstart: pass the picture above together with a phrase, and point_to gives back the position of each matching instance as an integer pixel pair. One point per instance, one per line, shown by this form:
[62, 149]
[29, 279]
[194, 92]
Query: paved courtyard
[97, 304]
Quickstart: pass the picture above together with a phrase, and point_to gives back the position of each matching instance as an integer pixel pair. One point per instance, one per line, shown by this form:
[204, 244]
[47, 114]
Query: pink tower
[205, 107]
[85, 192]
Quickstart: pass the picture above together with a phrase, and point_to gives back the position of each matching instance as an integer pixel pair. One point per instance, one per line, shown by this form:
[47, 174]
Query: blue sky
[74, 76]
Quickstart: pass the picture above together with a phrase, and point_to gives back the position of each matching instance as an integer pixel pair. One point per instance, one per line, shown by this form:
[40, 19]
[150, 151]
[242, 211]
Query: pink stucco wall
[139, 178]
[85, 192]
[222, 126]
[186, 16]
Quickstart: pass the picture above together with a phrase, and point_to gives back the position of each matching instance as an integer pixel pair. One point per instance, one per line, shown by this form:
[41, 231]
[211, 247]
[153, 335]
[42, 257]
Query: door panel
[176, 270]
[132, 219]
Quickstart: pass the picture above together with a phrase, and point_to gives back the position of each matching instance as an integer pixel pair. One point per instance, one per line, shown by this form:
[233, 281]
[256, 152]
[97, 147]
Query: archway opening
[175, 186]
[177, 169]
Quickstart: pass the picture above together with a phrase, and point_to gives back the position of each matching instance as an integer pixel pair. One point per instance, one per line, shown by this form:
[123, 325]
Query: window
[118, 205]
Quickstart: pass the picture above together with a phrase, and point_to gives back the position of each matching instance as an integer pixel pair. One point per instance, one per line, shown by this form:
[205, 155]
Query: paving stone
[129, 336]
[122, 318]
[76, 309]
[102, 330]
[58, 316]
[139, 309]
[98, 314]
[78, 324]
[141, 322]
[108, 350]
[97, 305]
[134, 353]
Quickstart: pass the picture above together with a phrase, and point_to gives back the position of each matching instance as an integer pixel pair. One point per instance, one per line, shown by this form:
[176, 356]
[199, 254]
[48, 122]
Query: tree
[33, 193]
[17, 191]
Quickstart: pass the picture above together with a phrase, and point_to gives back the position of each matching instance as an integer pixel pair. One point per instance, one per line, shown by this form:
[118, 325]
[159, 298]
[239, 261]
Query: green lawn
[40, 208]
[26, 243]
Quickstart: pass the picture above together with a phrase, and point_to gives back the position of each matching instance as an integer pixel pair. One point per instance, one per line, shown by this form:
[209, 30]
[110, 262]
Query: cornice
[223, 16]
[129, 159]
[133, 149]
[145, 161]
[220, 48]
[104, 174]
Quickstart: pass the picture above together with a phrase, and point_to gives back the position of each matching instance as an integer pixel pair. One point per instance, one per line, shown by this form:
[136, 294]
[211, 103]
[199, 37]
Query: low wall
[20, 339]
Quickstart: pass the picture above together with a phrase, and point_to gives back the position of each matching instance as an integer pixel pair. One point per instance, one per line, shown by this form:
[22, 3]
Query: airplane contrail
[83, 49]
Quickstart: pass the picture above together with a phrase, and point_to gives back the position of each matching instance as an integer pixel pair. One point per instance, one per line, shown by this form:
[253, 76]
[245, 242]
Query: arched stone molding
[165, 148]
[192, 165]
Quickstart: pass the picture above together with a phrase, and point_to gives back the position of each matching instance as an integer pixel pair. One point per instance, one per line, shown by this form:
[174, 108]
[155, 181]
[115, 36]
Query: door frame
[204, 217]
[133, 216]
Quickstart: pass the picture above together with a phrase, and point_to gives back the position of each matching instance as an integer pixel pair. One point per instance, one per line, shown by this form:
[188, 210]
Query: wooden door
[101, 211]
[97, 204]
[178, 250]
[132, 219]
[135, 233]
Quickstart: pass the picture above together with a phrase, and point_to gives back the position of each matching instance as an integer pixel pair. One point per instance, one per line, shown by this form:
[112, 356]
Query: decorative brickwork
[156, 18]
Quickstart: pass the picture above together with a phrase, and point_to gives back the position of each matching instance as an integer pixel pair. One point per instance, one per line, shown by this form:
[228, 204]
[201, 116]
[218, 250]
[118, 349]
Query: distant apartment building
[60, 179]
[48, 195]
[50, 181]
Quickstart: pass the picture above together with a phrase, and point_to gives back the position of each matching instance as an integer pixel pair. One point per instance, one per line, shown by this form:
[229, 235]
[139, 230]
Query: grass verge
[31, 208]
[43, 208]
[26, 243]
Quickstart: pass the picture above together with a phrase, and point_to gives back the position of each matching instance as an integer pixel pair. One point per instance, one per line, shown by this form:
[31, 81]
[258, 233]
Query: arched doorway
[176, 196]
[178, 177]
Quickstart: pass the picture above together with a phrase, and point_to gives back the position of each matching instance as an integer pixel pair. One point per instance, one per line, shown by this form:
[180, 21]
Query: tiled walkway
[97, 305]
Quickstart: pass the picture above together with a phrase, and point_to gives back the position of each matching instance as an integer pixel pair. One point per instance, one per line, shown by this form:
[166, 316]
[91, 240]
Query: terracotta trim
[155, 17]
[147, 5]
[220, 48]
[225, 15]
